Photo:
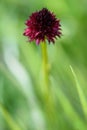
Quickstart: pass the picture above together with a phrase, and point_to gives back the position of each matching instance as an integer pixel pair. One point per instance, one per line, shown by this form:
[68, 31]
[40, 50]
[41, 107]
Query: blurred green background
[22, 99]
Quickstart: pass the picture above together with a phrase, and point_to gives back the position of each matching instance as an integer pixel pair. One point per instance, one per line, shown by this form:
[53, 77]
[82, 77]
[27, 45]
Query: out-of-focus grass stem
[80, 92]
[11, 123]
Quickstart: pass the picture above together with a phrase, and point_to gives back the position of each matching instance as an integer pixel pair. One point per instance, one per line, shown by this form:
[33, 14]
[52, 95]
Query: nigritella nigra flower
[42, 25]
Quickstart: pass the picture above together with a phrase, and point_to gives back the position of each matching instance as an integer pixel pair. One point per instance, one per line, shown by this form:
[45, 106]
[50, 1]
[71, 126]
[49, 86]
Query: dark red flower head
[42, 25]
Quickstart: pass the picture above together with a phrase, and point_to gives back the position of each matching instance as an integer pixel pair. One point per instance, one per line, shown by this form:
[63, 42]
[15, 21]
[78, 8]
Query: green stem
[45, 64]
[49, 103]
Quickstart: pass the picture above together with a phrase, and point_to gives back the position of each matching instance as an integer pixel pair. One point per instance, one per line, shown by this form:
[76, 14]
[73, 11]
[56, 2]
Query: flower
[42, 25]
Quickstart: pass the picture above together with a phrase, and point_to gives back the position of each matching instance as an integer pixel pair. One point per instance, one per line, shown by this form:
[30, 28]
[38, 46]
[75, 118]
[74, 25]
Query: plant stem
[48, 100]
[45, 67]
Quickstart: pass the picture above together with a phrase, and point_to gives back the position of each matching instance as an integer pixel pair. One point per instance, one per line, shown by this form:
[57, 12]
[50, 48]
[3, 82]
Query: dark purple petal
[42, 25]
